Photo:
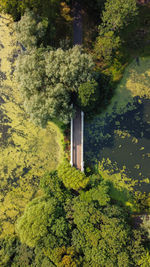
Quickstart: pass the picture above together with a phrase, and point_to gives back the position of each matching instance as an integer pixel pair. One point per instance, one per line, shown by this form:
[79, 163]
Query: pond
[119, 138]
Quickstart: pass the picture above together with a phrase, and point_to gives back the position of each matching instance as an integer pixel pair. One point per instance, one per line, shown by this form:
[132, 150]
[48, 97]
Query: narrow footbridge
[77, 134]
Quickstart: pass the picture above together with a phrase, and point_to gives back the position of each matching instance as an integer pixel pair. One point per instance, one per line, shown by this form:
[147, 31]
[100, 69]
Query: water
[124, 139]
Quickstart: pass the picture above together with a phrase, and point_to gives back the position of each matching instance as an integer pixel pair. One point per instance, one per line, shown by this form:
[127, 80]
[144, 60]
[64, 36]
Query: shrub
[71, 177]
[88, 95]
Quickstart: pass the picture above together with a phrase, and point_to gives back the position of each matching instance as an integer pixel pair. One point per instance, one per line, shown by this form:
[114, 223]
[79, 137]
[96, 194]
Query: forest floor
[26, 151]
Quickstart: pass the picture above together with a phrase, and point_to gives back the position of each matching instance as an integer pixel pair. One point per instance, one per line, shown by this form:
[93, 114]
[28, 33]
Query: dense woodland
[76, 220]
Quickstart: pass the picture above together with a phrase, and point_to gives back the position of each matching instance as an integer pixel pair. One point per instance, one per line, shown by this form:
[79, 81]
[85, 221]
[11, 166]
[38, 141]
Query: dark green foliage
[43, 222]
[117, 14]
[85, 228]
[10, 7]
[13, 253]
[7, 250]
[102, 236]
[88, 95]
[71, 177]
[48, 10]
[53, 187]
[47, 79]
[98, 191]
[45, 8]
[31, 30]
[106, 46]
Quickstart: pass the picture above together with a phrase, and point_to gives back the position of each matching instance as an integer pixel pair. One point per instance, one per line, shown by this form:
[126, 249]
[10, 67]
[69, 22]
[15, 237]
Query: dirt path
[77, 24]
[77, 39]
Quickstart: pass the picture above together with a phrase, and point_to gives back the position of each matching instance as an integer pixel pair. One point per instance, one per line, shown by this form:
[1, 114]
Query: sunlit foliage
[71, 177]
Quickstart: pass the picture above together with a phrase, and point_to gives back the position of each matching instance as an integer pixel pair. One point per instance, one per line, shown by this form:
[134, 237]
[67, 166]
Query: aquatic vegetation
[26, 151]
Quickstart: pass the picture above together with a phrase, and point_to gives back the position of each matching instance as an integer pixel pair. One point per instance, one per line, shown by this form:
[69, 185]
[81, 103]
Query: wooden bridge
[77, 135]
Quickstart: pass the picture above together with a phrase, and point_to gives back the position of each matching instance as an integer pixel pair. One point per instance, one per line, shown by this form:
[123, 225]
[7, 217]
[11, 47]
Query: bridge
[77, 135]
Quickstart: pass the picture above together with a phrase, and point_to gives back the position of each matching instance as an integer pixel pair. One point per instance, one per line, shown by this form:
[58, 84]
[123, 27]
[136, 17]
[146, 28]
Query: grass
[26, 151]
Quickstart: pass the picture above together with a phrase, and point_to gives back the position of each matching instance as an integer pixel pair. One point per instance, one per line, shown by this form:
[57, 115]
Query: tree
[47, 79]
[146, 225]
[45, 8]
[71, 177]
[43, 223]
[84, 228]
[43, 100]
[31, 30]
[117, 14]
[88, 95]
[71, 67]
[13, 253]
[100, 238]
[52, 186]
[106, 46]
[145, 259]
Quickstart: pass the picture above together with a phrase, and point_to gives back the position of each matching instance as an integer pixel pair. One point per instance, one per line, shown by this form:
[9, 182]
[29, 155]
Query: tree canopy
[71, 177]
[43, 221]
[47, 79]
[45, 8]
[115, 16]
[118, 13]
[81, 228]
[31, 30]
[88, 95]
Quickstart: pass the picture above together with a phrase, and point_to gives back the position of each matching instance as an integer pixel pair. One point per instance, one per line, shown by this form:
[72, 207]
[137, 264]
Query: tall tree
[31, 30]
[45, 8]
[43, 223]
[118, 13]
[48, 78]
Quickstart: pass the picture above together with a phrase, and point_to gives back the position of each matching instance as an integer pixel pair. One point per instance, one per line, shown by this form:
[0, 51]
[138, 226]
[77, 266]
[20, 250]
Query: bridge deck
[77, 125]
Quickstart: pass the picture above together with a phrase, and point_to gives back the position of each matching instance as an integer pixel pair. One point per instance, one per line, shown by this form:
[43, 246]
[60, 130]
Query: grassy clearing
[26, 151]
[120, 135]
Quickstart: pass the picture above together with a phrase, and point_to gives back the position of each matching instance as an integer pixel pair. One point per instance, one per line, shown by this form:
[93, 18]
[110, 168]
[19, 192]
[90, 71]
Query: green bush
[31, 30]
[106, 46]
[88, 95]
[43, 223]
[71, 177]
[53, 186]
